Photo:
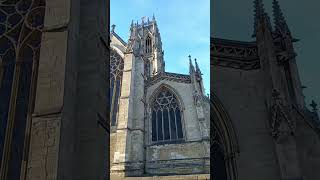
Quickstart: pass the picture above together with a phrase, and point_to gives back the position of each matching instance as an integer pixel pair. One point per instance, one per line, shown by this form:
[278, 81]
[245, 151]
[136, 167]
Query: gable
[117, 43]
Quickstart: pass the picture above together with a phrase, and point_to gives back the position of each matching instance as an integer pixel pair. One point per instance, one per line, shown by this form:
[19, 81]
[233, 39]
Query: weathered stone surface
[44, 148]
[51, 73]
[57, 14]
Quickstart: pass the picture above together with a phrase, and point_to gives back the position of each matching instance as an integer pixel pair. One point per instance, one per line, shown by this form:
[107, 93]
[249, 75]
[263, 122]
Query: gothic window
[218, 168]
[166, 117]
[148, 45]
[116, 70]
[21, 23]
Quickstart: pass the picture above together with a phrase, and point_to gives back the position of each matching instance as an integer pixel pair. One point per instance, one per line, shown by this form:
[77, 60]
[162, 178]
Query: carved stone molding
[170, 77]
[234, 54]
[281, 122]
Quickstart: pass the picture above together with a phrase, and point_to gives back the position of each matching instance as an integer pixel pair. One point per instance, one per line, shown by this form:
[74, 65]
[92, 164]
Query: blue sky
[184, 27]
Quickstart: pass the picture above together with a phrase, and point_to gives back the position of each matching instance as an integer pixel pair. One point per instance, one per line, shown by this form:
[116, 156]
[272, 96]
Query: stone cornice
[234, 54]
[182, 78]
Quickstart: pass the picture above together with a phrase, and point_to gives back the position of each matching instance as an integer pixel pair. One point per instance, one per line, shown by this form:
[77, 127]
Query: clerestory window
[166, 117]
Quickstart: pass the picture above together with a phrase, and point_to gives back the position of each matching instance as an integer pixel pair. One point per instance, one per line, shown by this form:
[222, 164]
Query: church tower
[159, 119]
[145, 41]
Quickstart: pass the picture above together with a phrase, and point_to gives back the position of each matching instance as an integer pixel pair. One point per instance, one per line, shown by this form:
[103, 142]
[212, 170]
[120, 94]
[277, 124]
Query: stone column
[67, 132]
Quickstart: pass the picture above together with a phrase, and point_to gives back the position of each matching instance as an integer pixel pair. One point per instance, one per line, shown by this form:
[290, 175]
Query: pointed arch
[148, 44]
[166, 116]
[117, 50]
[116, 73]
[223, 140]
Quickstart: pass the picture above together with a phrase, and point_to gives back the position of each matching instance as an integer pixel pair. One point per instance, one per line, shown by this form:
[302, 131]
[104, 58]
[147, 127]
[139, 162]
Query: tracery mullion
[175, 120]
[21, 111]
[113, 99]
[116, 100]
[156, 126]
[160, 134]
[172, 123]
[169, 121]
[163, 135]
[33, 84]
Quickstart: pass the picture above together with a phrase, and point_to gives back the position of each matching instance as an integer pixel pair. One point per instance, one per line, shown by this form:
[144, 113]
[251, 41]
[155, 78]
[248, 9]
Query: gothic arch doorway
[223, 143]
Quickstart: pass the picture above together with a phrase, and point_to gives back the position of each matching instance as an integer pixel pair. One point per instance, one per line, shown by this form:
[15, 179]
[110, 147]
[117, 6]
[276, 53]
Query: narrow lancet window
[148, 45]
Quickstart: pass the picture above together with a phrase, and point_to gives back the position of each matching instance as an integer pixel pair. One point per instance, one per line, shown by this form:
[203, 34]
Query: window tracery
[21, 24]
[116, 71]
[166, 117]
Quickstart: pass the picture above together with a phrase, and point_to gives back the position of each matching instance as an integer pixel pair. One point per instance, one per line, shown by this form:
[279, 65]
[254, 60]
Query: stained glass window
[166, 117]
[116, 70]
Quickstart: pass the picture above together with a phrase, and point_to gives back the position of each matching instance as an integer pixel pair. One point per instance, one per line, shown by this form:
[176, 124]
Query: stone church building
[159, 120]
[261, 127]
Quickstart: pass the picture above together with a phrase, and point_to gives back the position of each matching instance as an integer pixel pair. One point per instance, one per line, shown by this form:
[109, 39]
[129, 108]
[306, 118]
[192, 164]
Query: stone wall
[67, 139]
[242, 95]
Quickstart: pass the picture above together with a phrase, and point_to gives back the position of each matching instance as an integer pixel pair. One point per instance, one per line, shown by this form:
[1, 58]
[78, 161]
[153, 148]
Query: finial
[153, 18]
[197, 67]
[279, 20]
[132, 23]
[143, 19]
[314, 106]
[191, 68]
[259, 16]
[113, 27]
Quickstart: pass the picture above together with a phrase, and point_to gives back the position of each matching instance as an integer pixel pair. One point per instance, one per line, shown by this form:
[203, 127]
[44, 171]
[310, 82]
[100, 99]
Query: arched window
[148, 45]
[166, 117]
[218, 168]
[223, 143]
[116, 70]
[21, 25]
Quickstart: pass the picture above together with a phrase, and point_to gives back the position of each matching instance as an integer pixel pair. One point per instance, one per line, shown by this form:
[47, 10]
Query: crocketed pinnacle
[279, 20]
[197, 67]
[191, 67]
[260, 16]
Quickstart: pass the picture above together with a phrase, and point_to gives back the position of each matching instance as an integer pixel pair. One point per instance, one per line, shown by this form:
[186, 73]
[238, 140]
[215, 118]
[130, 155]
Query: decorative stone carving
[196, 98]
[281, 122]
[234, 54]
[170, 77]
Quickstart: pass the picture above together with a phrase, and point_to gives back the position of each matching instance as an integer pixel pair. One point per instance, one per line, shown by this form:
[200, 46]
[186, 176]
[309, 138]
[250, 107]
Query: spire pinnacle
[260, 16]
[197, 67]
[279, 20]
[191, 67]
[153, 17]
[113, 26]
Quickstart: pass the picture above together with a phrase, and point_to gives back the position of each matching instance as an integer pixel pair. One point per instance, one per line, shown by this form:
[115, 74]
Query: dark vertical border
[107, 176]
